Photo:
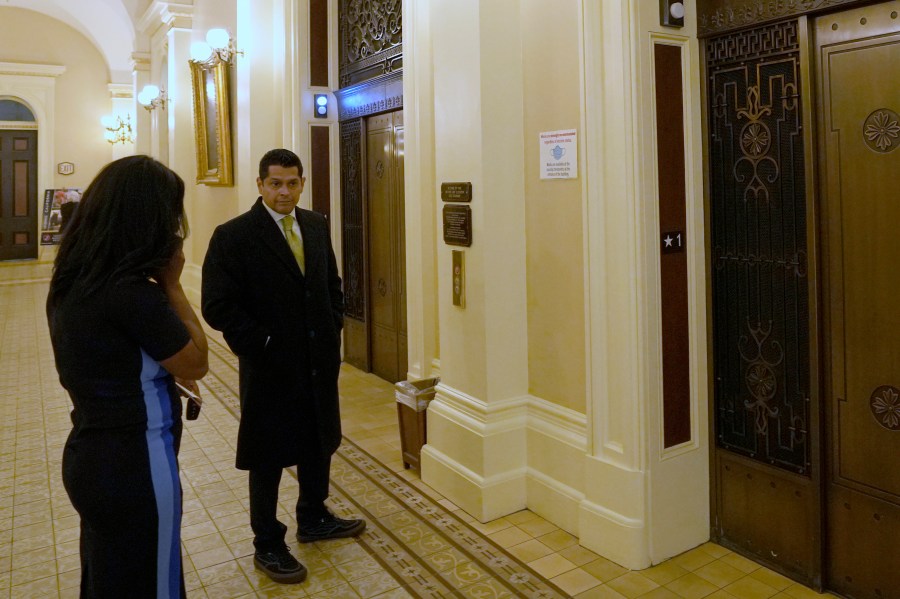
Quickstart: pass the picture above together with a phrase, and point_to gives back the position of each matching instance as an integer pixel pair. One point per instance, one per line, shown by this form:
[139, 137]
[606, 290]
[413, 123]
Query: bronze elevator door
[858, 56]
[386, 245]
[765, 405]
[18, 194]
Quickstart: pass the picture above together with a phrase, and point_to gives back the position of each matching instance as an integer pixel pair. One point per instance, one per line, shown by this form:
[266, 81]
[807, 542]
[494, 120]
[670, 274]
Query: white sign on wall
[559, 154]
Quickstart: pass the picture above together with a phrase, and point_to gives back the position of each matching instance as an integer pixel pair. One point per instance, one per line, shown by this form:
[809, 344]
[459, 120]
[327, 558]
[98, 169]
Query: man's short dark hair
[279, 157]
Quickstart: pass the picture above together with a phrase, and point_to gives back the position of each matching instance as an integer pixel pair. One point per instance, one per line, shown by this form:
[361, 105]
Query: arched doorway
[18, 180]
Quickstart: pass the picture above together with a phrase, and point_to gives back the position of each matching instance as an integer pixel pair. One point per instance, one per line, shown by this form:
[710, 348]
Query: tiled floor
[39, 529]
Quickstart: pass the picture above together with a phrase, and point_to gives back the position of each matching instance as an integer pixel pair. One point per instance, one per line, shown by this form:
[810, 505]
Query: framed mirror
[212, 122]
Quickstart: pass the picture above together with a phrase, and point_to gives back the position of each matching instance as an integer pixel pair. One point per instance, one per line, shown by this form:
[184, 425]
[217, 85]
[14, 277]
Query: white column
[642, 502]
[420, 192]
[179, 108]
[258, 121]
[140, 76]
[476, 447]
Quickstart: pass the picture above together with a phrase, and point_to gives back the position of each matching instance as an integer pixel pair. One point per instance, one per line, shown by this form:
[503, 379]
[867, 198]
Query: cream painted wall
[82, 96]
[211, 206]
[553, 208]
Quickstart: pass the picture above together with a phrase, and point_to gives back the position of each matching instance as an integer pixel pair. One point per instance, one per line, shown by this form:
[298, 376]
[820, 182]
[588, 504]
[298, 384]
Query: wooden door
[858, 56]
[18, 195]
[386, 254]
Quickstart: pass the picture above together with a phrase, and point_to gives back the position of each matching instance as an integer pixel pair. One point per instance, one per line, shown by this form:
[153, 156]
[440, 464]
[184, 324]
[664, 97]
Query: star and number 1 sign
[672, 241]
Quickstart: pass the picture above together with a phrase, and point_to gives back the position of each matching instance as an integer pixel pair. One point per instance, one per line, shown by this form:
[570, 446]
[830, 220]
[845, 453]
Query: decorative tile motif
[416, 546]
[405, 525]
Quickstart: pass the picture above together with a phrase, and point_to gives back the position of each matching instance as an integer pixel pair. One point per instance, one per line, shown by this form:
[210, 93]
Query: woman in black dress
[122, 329]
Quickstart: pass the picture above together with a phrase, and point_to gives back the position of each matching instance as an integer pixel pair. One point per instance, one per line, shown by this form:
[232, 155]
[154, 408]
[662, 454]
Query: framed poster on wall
[59, 204]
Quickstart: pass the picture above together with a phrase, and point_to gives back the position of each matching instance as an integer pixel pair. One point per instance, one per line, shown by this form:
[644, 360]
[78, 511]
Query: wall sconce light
[219, 45]
[671, 13]
[152, 97]
[321, 106]
[117, 130]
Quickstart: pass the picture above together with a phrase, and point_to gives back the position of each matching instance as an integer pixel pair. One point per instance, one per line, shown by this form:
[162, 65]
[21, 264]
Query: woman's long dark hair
[130, 222]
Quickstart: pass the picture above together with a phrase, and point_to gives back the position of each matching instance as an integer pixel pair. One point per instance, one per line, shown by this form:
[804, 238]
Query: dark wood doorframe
[19, 237]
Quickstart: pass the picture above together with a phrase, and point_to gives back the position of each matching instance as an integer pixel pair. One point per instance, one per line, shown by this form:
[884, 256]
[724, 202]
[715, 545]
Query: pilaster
[643, 502]
[140, 76]
[476, 448]
[259, 115]
[179, 108]
[421, 202]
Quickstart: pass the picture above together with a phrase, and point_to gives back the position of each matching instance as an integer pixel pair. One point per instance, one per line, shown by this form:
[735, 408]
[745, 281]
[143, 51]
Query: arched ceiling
[109, 24]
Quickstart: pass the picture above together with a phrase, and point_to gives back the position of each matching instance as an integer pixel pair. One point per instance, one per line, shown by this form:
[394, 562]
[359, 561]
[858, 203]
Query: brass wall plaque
[458, 225]
[459, 278]
[456, 192]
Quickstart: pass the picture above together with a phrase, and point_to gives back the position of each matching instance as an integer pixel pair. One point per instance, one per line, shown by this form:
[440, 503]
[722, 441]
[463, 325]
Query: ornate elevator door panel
[858, 55]
[765, 495]
[353, 242]
[387, 305]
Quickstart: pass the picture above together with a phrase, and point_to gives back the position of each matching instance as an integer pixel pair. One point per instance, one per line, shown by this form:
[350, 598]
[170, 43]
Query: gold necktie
[287, 223]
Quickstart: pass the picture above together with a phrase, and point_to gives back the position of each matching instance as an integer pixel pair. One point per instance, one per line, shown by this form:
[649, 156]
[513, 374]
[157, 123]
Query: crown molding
[120, 90]
[165, 14]
[33, 70]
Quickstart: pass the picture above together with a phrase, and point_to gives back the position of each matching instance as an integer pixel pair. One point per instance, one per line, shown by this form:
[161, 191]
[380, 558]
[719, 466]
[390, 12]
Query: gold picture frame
[212, 121]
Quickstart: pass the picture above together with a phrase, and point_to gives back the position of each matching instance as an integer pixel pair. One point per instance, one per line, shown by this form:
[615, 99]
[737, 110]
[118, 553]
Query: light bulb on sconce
[218, 38]
[201, 51]
[219, 45]
[153, 97]
[116, 130]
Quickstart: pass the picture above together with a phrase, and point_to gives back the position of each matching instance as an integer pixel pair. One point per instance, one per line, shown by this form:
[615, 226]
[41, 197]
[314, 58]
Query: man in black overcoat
[270, 284]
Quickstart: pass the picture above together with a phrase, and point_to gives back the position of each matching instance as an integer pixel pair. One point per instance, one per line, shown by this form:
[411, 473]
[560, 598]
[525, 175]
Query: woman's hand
[170, 276]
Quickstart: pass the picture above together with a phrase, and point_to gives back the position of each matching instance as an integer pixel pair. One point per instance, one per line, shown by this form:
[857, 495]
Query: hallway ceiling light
[117, 130]
[152, 97]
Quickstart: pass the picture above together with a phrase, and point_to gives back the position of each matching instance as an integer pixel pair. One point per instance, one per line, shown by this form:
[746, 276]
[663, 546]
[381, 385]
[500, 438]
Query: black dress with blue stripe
[120, 465]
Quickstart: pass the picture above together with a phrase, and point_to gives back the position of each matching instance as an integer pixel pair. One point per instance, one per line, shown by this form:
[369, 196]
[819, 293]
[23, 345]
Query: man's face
[281, 188]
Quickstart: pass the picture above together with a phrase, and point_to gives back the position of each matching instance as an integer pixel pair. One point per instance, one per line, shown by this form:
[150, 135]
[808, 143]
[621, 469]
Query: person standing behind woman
[122, 330]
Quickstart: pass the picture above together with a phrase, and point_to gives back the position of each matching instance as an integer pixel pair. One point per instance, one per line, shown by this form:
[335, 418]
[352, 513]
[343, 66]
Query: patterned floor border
[428, 549]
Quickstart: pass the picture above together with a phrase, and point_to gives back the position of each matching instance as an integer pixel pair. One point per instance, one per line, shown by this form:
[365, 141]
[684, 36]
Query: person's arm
[335, 290]
[221, 304]
[191, 361]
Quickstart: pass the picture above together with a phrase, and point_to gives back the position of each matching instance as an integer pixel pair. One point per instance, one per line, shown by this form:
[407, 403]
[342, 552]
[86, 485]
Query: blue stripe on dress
[164, 474]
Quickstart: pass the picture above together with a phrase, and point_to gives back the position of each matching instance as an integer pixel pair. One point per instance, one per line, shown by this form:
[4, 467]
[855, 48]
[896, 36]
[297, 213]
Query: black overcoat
[253, 291]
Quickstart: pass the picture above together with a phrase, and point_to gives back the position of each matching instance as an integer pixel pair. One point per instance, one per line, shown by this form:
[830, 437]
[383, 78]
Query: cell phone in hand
[193, 404]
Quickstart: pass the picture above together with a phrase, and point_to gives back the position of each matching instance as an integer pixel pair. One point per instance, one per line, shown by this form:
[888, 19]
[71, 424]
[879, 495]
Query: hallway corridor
[417, 544]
